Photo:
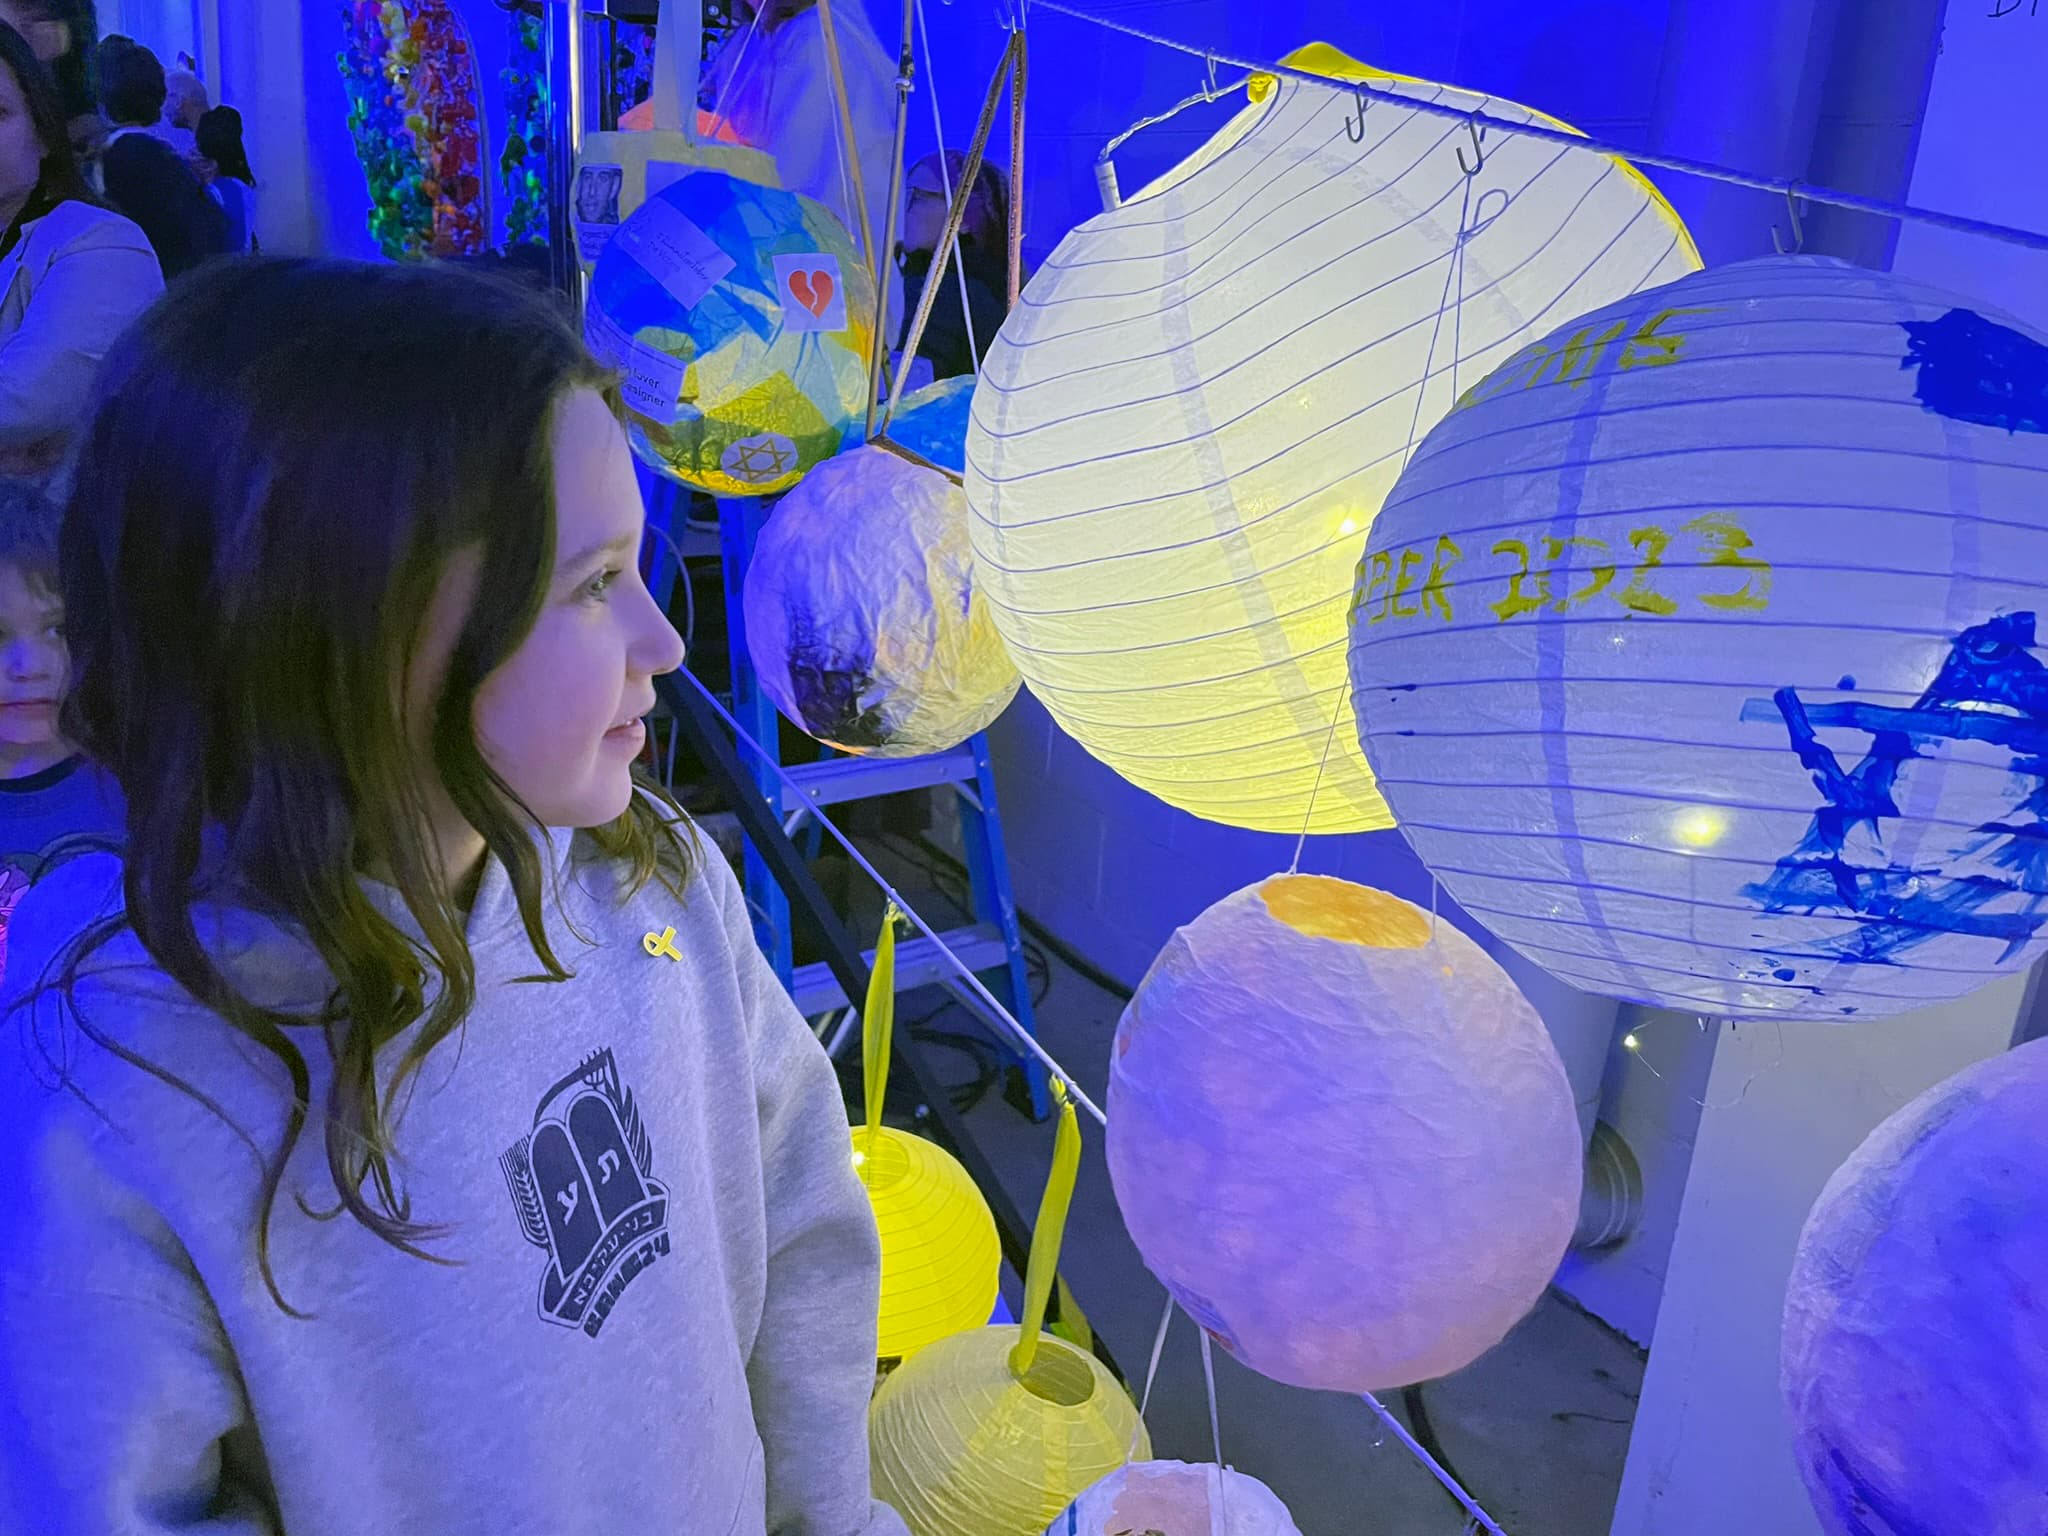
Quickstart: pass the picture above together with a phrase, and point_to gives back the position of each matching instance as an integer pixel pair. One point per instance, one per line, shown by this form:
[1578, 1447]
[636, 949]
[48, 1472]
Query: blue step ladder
[990, 944]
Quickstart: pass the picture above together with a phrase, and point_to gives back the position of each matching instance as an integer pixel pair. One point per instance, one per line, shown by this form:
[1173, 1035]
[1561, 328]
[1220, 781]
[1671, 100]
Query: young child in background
[51, 800]
[368, 649]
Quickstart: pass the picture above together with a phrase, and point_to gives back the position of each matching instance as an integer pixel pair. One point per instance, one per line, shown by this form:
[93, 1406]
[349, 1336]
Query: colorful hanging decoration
[1172, 1498]
[1341, 1137]
[739, 316]
[994, 1432]
[1699, 650]
[941, 1259]
[412, 82]
[1915, 1346]
[523, 166]
[1184, 431]
[862, 615]
[401, 212]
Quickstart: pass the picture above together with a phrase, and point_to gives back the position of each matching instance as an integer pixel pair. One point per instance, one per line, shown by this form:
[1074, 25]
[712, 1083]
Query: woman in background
[232, 184]
[64, 34]
[72, 274]
[949, 344]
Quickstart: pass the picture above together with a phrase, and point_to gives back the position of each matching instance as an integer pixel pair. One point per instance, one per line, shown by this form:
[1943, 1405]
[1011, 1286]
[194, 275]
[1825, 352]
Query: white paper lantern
[1697, 655]
[1915, 1361]
[1184, 429]
[862, 615]
[1340, 1136]
[1172, 1498]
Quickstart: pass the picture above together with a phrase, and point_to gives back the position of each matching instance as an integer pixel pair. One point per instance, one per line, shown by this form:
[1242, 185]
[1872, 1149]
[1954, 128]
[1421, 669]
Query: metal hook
[1478, 154]
[1209, 76]
[1354, 128]
[1798, 229]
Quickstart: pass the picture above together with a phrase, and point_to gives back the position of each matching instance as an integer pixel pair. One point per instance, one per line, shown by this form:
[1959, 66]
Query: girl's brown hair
[282, 457]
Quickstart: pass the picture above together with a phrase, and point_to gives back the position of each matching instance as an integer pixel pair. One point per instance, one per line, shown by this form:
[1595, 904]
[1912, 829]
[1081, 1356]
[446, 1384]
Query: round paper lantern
[1340, 1136]
[959, 1446]
[1915, 1354]
[1185, 428]
[739, 317]
[941, 1259]
[862, 615]
[1696, 651]
[1172, 1498]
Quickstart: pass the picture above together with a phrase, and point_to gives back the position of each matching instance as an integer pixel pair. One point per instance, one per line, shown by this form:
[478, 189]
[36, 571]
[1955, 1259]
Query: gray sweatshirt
[659, 1314]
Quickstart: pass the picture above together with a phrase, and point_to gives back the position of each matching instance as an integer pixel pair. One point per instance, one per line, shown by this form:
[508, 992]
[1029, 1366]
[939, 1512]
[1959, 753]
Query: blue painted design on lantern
[1991, 688]
[829, 682]
[1973, 369]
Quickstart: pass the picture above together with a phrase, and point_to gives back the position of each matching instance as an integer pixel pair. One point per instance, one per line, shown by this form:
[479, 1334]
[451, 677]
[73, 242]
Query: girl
[72, 274]
[407, 1137]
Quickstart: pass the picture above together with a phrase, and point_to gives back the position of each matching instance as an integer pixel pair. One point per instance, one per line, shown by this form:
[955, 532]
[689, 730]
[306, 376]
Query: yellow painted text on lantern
[1324, 908]
[1415, 582]
[1583, 354]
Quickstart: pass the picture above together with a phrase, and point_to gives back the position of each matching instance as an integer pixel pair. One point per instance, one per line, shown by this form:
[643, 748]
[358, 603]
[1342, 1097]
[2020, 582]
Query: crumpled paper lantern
[863, 618]
[1915, 1352]
[941, 1258]
[1184, 430]
[739, 317]
[959, 1446]
[1172, 1498]
[1340, 1136]
[1697, 651]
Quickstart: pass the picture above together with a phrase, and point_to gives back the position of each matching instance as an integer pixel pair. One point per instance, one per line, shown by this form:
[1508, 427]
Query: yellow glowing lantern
[1183, 433]
[941, 1259]
[994, 1432]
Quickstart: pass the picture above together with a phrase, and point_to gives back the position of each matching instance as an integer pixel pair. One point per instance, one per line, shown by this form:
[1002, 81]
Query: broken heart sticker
[812, 292]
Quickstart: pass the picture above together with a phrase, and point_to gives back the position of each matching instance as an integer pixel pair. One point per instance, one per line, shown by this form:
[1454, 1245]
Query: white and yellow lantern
[1184, 430]
[862, 615]
[1340, 1136]
[1172, 1498]
[1699, 652]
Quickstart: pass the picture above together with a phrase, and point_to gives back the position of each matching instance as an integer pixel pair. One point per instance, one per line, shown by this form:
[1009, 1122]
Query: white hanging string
[1454, 270]
[946, 186]
[732, 80]
[1481, 1520]
[1209, 1382]
[1151, 1374]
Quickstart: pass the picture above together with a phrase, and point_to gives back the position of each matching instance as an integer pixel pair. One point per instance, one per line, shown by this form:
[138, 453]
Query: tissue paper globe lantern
[1183, 431]
[738, 316]
[1172, 1498]
[1915, 1351]
[1699, 651]
[941, 1259]
[1340, 1136]
[960, 1447]
[862, 615]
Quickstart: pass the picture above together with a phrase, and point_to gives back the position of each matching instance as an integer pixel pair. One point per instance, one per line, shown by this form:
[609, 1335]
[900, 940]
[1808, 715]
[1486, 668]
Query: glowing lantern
[1171, 1498]
[1185, 428]
[941, 1259]
[862, 615]
[739, 317]
[1340, 1136]
[992, 1433]
[1697, 651]
[1915, 1353]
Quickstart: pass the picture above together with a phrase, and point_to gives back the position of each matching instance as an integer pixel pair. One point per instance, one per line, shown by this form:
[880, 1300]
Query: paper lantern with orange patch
[1171, 1498]
[1340, 1136]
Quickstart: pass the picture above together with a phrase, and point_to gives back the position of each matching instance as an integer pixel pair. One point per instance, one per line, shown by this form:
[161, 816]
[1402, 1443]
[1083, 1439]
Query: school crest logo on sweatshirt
[582, 1182]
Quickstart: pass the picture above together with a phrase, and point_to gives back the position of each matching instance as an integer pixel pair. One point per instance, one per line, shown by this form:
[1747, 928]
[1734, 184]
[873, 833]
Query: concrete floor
[1538, 1429]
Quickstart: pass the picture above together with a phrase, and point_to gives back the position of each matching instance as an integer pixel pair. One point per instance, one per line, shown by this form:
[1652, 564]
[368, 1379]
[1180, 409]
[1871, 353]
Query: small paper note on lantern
[1340, 1136]
[1915, 1349]
[1172, 1498]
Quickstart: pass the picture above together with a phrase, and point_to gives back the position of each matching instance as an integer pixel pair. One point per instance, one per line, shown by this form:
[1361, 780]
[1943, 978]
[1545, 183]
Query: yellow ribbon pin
[662, 943]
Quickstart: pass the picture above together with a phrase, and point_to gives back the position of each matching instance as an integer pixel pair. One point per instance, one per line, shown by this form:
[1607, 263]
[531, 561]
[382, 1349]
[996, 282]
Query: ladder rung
[918, 964]
[839, 779]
